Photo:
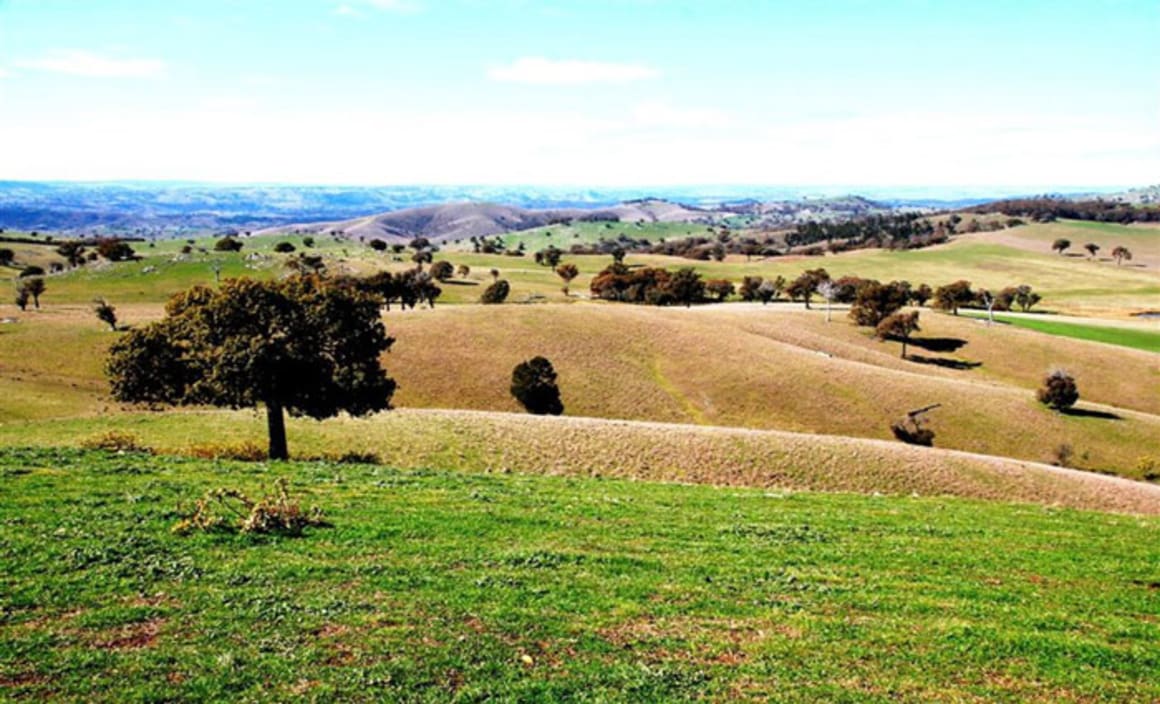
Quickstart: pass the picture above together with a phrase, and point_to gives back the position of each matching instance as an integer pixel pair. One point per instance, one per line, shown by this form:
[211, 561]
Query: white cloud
[3, 73]
[541, 71]
[663, 115]
[347, 11]
[75, 62]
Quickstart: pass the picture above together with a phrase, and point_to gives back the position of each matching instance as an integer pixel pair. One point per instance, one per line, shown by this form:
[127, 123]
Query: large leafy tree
[534, 386]
[302, 345]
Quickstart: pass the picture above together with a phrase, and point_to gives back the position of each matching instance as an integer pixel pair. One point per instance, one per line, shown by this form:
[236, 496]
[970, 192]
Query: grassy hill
[733, 365]
[434, 586]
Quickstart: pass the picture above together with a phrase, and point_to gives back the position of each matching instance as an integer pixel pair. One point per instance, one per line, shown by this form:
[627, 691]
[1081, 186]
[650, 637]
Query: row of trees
[1048, 209]
[1119, 253]
[648, 285]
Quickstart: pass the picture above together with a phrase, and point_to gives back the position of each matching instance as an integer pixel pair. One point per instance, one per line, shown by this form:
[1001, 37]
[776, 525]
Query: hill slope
[437, 586]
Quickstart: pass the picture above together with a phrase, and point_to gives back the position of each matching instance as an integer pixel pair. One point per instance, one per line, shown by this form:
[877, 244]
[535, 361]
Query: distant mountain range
[167, 209]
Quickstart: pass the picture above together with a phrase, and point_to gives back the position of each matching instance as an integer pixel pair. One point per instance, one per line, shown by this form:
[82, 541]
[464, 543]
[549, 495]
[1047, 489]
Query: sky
[1042, 95]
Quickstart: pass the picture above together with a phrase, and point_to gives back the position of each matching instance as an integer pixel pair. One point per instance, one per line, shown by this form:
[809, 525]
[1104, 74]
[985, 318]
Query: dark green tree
[301, 345]
[1059, 390]
[898, 326]
[228, 244]
[106, 313]
[874, 301]
[496, 293]
[534, 386]
[951, 296]
[686, 287]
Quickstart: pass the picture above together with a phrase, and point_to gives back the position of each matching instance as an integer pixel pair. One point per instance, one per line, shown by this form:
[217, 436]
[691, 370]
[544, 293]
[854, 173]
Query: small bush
[116, 441]
[1062, 454]
[496, 293]
[1059, 390]
[284, 248]
[534, 386]
[357, 457]
[912, 433]
[242, 452]
[229, 510]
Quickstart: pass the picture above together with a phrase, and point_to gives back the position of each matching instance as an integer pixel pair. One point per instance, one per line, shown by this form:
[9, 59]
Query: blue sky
[585, 92]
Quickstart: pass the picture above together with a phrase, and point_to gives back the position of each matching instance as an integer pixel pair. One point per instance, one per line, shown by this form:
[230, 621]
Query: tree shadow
[460, 283]
[938, 344]
[1089, 413]
[959, 364]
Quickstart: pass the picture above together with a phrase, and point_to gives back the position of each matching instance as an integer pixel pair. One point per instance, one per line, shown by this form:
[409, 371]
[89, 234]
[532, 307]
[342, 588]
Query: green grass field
[1124, 337]
[438, 586]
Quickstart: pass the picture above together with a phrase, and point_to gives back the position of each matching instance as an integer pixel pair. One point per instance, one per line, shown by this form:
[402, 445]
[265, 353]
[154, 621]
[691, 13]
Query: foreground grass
[1124, 337]
[437, 586]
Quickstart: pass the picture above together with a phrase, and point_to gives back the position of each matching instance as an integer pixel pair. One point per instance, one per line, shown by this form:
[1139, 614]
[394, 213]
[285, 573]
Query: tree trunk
[276, 427]
[904, 347]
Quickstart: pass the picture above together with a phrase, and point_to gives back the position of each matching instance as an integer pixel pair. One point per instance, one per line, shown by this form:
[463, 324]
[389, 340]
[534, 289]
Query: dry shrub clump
[116, 441]
[243, 452]
[230, 510]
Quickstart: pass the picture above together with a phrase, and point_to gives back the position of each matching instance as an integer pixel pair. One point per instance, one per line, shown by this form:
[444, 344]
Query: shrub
[228, 244]
[31, 270]
[230, 510]
[7, 256]
[307, 241]
[116, 441]
[246, 451]
[442, 270]
[106, 313]
[284, 248]
[115, 250]
[1062, 454]
[912, 433]
[496, 293]
[534, 386]
[1059, 390]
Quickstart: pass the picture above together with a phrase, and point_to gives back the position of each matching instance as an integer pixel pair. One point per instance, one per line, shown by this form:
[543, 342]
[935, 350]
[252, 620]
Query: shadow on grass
[944, 363]
[1088, 413]
[938, 344]
[460, 283]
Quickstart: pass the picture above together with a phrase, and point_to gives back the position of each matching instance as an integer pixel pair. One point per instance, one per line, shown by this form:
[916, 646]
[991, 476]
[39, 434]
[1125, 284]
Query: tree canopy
[301, 345]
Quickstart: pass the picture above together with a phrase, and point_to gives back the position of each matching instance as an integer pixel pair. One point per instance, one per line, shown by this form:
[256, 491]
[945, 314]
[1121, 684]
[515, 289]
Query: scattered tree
[567, 272]
[106, 313]
[22, 297]
[463, 271]
[1120, 253]
[496, 293]
[494, 274]
[898, 326]
[284, 248]
[381, 246]
[115, 250]
[913, 429]
[308, 242]
[920, 295]
[1060, 245]
[442, 270]
[534, 386]
[1092, 248]
[874, 301]
[686, 287]
[1059, 390]
[828, 290]
[73, 252]
[721, 288]
[31, 270]
[301, 345]
[804, 286]
[951, 296]
[35, 288]
[1025, 297]
[7, 256]
[228, 244]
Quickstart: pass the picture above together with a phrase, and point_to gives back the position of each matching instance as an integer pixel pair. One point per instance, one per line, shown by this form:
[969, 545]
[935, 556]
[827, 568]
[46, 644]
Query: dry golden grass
[735, 365]
[763, 368]
[477, 441]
